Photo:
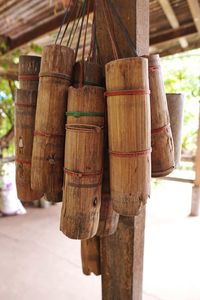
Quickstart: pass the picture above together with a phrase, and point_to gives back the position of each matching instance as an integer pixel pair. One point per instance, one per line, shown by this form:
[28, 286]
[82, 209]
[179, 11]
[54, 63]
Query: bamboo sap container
[129, 133]
[83, 176]
[25, 107]
[90, 71]
[29, 68]
[175, 105]
[162, 142]
[49, 137]
[90, 256]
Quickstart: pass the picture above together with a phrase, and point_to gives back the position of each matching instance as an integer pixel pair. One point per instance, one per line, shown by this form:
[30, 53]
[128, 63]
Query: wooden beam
[169, 12]
[173, 34]
[195, 11]
[122, 253]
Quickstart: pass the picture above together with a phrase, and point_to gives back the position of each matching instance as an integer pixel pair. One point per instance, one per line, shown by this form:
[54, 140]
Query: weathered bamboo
[175, 106]
[48, 148]
[83, 176]
[129, 133]
[92, 74]
[25, 107]
[90, 256]
[54, 197]
[162, 157]
[29, 68]
[86, 105]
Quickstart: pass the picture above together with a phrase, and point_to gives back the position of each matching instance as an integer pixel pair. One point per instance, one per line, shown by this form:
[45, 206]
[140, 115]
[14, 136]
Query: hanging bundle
[29, 68]
[175, 105]
[129, 133]
[90, 256]
[83, 176]
[25, 107]
[162, 142]
[49, 136]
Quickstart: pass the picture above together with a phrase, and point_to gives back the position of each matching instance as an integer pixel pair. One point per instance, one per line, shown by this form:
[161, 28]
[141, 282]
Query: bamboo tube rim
[140, 58]
[86, 87]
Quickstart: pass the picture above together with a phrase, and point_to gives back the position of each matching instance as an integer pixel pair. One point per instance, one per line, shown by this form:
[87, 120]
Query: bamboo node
[127, 92]
[131, 154]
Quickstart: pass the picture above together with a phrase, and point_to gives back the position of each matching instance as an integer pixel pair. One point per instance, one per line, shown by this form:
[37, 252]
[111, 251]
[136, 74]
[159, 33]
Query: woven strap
[27, 162]
[127, 92]
[41, 133]
[27, 77]
[130, 154]
[24, 104]
[159, 130]
[81, 174]
[78, 114]
[56, 75]
[154, 68]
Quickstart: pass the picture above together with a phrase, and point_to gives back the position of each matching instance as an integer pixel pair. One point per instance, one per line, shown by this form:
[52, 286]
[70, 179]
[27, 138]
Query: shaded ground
[38, 262]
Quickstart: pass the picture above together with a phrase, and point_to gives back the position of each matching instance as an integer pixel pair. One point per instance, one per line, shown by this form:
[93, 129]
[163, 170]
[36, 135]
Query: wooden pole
[122, 253]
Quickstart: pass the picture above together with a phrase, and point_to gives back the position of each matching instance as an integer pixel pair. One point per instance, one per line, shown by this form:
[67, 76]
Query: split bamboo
[25, 107]
[29, 68]
[162, 157]
[83, 176]
[49, 137]
[129, 133]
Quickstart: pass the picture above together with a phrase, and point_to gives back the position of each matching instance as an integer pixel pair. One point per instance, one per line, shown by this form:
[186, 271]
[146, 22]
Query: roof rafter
[195, 11]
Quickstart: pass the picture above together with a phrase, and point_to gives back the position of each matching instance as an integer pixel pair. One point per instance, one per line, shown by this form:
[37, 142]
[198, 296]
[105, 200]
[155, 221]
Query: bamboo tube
[48, 148]
[29, 68]
[129, 133]
[83, 174]
[86, 105]
[162, 142]
[54, 197]
[175, 105]
[25, 106]
[92, 74]
[90, 256]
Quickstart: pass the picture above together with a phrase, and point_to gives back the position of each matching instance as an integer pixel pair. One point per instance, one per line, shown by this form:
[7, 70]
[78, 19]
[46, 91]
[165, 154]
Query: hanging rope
[81, 28]
[78, 8]
[63, 22]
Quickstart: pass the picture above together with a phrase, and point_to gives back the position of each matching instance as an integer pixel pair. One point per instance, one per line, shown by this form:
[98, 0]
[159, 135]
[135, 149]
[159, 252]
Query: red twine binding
[41, 133]
[27, 77]
[81, 174]
[24, 104]
[154, 68]
[27, 162]
[127, 92]
[130, 154]
[159, 130]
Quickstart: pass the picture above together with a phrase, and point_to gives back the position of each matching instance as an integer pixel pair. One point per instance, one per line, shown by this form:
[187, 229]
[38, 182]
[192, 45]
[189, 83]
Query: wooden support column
[122, 253]
[195, 208]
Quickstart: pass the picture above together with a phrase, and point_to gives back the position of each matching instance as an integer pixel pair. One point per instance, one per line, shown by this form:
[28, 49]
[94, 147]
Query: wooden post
[195, 208]
[122, 253]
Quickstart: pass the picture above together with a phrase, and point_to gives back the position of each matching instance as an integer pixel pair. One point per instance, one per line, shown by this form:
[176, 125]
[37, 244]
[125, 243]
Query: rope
[56, 75]
[25, 77]
[81, 28]
[130, 154]
[127, 92]
[81, 174]
[76, 27]
[77, 114]
[27, 162]
[154, 68]
[24, 104]
[74, 23]
[64, 19]
[41, 133]
[159, 130]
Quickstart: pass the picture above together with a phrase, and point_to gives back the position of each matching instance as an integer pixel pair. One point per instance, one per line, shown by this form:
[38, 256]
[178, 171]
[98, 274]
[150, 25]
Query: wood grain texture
[48, 148]
[162, 156]
[25, 107]
[92, 74]
[129, 132]
[117, 284]
[175, 104]
[90, 256]
[83, 177]
[29, 68]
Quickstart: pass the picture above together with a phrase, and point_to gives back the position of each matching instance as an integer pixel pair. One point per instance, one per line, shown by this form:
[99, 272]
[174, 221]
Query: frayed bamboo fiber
[83, 176]
[175, 105]
[162, 157]
[92, 74]
[86, 105]
[48, 148]
[90, 256]
[29, 68]
[25, 107]
[129, 133]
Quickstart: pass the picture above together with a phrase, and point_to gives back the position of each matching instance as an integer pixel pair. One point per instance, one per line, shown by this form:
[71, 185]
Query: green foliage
[36, 48]
[181, 75]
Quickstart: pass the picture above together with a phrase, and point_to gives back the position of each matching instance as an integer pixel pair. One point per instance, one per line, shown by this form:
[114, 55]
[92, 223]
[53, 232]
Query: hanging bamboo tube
[175, 106]
[54, 197]
[48, 148]
[83, 174]
[92, 74]
[29, 68]
[129, 133]
[25, 107]
[90, 256]
[162, 157]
